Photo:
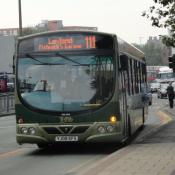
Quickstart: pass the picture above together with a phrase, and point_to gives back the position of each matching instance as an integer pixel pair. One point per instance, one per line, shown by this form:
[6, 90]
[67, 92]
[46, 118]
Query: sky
[122, 17]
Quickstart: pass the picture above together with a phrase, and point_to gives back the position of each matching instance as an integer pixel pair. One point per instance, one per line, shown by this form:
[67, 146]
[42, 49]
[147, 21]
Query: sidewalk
[153, 155]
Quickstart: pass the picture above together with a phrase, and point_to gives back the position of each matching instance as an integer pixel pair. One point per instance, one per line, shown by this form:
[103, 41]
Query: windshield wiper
[56, 54]
[66, 58]
[41, 63]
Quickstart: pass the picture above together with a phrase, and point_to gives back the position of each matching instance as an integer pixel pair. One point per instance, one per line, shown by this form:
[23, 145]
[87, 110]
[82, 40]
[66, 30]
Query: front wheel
[128, 131]
[42, 145]
[129, 127]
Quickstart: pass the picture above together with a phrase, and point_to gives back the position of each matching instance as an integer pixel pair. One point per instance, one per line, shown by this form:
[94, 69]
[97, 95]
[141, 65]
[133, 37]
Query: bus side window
[123, 63]
[131, 75]
[136, 76]
[124, 66]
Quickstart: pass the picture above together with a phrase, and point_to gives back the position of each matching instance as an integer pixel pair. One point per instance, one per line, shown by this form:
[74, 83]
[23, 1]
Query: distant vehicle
[6, 82]
[154, 85]
[152, 72]
[162, 91]
[3, 81]
[165, 75]
[10, 86]
[151, 76]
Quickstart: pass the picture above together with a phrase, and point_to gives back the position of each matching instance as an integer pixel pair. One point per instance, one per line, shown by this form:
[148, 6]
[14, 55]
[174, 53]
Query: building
[79, 28]
[7, 49]
[45, 25]
[165, 51]
[8, 35]
[173, 50]
[9, 32]
[54, 25]
[50, 25]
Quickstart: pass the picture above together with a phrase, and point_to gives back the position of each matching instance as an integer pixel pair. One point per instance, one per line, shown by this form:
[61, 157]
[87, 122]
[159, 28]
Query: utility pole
[20, 18]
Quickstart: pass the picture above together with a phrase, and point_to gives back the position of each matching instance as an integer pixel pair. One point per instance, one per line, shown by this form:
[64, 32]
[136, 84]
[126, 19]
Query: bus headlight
[101, 129]
[24, 130]
[32, 131]
[110, 128]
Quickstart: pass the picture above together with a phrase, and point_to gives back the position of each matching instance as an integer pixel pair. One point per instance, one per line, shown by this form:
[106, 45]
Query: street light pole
[20, 18]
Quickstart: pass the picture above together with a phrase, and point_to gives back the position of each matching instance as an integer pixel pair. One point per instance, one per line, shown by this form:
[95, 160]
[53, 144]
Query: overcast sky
[122, 17]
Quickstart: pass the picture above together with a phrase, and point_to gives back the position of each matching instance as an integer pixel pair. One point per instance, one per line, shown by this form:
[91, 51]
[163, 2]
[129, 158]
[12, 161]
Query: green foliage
[32, 30]
[162, 15]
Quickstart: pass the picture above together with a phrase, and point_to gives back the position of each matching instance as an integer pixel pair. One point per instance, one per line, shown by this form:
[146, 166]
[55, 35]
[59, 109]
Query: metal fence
[7, 104]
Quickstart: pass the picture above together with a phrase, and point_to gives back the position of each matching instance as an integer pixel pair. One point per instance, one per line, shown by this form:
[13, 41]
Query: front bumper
[91, 134]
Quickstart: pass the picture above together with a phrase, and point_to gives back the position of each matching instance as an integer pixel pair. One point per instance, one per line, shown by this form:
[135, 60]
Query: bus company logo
[65, 118]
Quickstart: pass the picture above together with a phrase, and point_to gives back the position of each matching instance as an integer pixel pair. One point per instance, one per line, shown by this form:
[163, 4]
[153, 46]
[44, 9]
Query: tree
[32, 30]
[162, 15]
[152, 53]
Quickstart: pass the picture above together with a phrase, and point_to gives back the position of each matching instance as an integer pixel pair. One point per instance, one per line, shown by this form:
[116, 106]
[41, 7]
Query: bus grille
[51, 130]
[79, 129]
[66, 129]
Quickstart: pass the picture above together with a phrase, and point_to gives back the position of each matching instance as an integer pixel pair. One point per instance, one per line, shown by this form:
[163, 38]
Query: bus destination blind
[65, 43]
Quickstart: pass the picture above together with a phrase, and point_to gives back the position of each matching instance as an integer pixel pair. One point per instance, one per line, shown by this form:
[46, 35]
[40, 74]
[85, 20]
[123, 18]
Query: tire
[42, 145]
[127, 140]
[129, 128]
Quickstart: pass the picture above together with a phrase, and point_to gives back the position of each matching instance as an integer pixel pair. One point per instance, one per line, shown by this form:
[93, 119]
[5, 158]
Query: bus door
[123, 92]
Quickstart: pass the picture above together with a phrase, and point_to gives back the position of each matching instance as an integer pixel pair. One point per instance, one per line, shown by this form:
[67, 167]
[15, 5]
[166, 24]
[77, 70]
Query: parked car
[154, 85]
[162, 90]
[10, 87]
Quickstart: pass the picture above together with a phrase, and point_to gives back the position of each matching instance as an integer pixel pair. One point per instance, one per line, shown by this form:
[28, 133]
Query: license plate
[66, 138]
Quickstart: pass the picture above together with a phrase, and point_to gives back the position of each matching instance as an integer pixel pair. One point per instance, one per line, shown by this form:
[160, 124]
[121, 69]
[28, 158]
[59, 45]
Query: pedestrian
[170, 93]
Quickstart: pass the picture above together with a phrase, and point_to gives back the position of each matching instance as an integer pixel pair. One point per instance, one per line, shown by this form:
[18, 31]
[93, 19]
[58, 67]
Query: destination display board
[66, 42]
[77, 42]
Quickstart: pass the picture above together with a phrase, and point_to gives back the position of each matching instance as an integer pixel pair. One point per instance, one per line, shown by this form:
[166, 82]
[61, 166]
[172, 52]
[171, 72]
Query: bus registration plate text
[66, 138]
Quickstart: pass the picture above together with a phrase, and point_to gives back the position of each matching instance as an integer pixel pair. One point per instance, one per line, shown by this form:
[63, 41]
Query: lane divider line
[82, 166]
[164, 118]
[11, 153]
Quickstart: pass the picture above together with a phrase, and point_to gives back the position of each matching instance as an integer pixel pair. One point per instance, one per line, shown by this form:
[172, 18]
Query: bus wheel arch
[129, 129]
[43, 145]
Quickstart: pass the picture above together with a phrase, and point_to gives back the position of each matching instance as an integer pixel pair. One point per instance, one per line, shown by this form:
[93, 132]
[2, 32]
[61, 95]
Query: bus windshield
[56, 82]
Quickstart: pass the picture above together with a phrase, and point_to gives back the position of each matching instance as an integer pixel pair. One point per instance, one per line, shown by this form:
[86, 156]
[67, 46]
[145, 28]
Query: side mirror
[124, 62]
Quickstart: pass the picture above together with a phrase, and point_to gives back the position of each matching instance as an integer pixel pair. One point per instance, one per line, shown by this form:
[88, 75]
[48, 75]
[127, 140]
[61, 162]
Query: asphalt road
[64, 160]
[28, 159]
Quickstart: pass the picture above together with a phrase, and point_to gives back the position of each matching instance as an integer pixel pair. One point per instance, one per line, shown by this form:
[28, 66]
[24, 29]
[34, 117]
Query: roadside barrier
[7, 104]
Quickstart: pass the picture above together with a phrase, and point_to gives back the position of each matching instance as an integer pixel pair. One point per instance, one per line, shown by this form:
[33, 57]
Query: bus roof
[124, 47]
[63, 31]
